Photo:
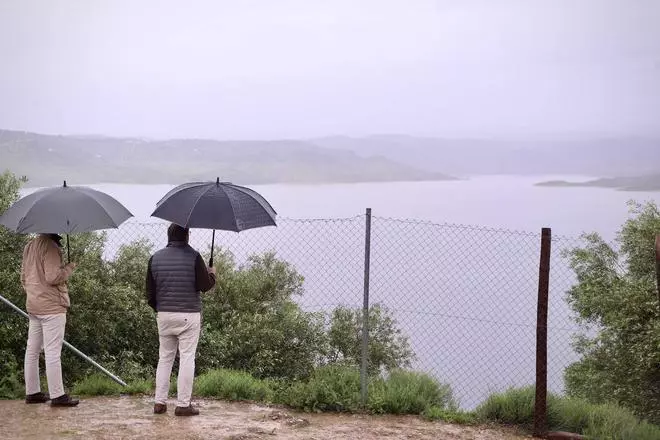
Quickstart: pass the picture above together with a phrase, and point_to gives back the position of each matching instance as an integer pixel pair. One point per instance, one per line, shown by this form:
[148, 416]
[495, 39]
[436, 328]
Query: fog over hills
[48, 159]
[625, 162]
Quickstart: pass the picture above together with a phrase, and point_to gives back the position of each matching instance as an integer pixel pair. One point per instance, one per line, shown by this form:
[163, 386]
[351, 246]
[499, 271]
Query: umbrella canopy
[215, 205]
[64, 210]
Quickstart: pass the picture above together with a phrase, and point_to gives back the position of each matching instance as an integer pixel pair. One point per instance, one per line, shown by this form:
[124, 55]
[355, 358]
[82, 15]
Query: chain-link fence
[466, 297]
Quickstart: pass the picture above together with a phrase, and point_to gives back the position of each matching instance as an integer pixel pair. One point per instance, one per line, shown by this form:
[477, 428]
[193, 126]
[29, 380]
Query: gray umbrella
[215, 205]
[64, 210]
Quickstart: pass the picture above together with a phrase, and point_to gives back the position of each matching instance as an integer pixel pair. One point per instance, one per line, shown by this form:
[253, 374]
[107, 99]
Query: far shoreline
[29, 185]
[612, 184]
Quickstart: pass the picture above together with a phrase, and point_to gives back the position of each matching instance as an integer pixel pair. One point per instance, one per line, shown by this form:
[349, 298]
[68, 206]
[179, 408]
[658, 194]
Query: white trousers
[177, 331]
[47, 332]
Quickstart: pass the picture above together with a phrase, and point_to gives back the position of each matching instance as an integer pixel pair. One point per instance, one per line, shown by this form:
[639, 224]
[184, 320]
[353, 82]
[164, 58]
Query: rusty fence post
[541, 402]
[657, 264]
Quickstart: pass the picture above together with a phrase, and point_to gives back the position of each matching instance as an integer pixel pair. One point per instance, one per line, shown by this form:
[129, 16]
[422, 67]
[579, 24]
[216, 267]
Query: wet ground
[133, 418]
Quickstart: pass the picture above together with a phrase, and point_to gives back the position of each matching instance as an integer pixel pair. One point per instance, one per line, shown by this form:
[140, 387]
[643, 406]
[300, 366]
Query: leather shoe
[186, 411]
[160, 408]
[64, 401]
[37, 398]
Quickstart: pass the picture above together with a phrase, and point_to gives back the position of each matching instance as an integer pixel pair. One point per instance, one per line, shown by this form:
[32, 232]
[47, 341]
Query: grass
[602, 422]
[232, 385]
[330, 388]
[337, 388]
[407, 392]
[456, 417]
[97, 385]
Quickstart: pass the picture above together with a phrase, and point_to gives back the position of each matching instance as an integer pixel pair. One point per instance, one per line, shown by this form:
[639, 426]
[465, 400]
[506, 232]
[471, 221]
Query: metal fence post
[540, 405]
[657, 264]
[365, 311]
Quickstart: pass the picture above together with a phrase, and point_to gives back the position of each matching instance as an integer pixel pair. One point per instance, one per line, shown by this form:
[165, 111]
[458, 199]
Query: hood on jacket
[177, 233]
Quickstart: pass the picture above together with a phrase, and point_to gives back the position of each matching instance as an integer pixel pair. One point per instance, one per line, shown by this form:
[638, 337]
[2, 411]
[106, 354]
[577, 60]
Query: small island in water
[639, 183]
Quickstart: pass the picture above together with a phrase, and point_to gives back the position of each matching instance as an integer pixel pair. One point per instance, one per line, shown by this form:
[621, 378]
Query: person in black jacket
[176, 276]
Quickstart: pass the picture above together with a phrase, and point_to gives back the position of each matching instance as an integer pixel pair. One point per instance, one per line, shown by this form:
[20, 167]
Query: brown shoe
[64, 401]
[186, 411]
[160, 408]
[37, 398]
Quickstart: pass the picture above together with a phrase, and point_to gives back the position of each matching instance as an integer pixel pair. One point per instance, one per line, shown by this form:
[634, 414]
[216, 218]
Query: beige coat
[44, 277]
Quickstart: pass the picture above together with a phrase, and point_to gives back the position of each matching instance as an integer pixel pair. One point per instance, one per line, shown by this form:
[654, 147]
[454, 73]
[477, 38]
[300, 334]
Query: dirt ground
[133, 418]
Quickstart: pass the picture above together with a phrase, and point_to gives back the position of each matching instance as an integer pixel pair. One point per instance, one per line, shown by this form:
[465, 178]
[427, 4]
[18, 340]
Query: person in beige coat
[44, 278]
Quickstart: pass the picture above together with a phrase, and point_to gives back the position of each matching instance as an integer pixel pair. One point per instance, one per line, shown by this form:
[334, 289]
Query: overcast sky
[301, 68]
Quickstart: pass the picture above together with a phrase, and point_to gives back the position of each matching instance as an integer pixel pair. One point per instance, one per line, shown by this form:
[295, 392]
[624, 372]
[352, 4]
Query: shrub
[602, 422]
[512, 407]
[616, 294]
[330, 388]
[337, 388]
[407, 392]
[11, 386]
[389, 348]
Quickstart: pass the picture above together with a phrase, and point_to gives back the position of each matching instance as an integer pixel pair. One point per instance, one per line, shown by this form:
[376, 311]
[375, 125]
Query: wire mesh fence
[465, 297]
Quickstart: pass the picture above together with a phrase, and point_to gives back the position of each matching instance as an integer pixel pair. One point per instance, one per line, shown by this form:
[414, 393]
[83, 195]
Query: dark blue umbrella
[215, 205]
[64, 210]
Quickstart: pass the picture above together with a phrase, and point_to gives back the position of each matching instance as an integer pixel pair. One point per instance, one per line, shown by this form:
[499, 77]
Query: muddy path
[132, 418]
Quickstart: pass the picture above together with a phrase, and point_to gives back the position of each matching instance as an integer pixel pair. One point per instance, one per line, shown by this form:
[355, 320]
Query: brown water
[132, 418]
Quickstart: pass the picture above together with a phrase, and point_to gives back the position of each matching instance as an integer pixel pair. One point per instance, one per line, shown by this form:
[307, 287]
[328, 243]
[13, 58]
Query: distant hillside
[640, 183]
[605, 157]
[47, 160]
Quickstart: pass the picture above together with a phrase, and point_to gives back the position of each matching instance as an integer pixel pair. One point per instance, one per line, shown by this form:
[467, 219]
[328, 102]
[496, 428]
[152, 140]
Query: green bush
[407, 392]
[602, 422]
[232, 385]
[337, 388]
[11, 385]
[253, 324]
[13, 327]
[330, 388]
[389, 348]
[616, 294]
[512, 407]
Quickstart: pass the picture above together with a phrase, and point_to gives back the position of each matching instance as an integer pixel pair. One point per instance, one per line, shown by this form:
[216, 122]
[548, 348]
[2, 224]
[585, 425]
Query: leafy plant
[616, 295]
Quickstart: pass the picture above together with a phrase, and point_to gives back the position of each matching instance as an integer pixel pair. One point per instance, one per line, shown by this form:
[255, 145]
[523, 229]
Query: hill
[607, 157]
[49, 159]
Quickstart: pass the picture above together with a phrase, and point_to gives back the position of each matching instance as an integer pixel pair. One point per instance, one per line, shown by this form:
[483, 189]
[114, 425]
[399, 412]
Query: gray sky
[299, 68]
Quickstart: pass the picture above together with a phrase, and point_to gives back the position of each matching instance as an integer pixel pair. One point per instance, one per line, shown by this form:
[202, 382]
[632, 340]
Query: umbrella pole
[71, 347]
[212, 248]
[68, 249]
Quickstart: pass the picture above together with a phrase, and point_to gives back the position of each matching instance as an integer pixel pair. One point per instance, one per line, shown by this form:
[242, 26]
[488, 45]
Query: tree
[616, 295]
[389, 348]
[252, 323]
[13, 330]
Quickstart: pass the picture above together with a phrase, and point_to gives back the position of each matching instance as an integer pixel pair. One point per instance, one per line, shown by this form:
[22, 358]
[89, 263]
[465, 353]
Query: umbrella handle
[212, 247]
